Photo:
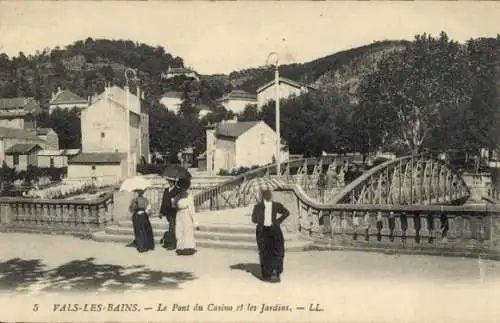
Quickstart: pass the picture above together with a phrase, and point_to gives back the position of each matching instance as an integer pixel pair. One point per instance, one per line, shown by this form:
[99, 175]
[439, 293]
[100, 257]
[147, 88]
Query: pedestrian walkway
[347, 285]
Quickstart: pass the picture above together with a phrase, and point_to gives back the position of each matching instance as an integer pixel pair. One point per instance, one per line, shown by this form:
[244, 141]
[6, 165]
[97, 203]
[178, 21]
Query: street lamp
[277, 86]
[127, 109]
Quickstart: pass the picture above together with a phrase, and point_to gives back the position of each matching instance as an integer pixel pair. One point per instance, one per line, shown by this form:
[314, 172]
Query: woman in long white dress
[185, 221]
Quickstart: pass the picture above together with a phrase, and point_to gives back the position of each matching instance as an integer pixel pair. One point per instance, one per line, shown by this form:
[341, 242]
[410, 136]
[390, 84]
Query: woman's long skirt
[271, 245]
[144, 239]
[184, 232]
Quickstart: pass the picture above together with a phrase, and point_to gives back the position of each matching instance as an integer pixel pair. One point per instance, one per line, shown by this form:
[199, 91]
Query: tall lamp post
[277, 86]
[127, 108]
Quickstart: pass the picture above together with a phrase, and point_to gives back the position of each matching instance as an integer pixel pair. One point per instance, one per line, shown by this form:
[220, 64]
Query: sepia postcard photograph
[249, 161]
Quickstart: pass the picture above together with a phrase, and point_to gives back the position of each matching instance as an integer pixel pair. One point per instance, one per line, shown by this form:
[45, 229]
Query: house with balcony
[287, 89]
[67, 100]
[237, 100]
[232, 144]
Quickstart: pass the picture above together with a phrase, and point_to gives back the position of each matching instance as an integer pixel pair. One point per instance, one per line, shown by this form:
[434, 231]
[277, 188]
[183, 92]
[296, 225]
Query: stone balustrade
[465, 230]
[56, 216]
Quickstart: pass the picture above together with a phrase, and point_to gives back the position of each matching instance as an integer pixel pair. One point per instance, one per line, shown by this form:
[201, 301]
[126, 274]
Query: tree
[251, 113]
[66, 123]
[413, 89]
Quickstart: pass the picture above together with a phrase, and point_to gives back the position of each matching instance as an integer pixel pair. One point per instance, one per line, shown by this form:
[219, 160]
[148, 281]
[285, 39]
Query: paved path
[349, 286]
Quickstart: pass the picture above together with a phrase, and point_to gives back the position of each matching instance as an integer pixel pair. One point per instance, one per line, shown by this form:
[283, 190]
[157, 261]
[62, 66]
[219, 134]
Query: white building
[232, 144]
[179, 71]
[172, 100]
[105, 131]
[107, 168]
[237, 100]
[287, 88]
[67, 100]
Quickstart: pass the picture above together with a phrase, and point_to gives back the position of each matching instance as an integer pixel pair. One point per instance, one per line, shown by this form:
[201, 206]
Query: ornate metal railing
[56, 216]
[304, 172]
[406, 180]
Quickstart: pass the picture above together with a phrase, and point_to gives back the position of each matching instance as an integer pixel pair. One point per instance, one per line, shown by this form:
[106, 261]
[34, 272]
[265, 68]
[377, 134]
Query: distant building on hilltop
[179, 71]
[237, 100]
[67, 100]
[287, 88]
[232, 144]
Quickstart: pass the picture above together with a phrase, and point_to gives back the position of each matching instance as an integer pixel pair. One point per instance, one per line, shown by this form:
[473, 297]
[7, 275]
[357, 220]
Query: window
[93, 167]
[102, 134]
[262, 138]
[51, 162]
[16, 159]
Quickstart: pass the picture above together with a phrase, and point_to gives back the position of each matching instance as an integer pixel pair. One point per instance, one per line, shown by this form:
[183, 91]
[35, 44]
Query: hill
[84, 66]
[337, 72]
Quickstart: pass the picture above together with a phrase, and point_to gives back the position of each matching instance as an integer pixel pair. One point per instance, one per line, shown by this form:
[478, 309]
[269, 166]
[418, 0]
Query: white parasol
[135, 183]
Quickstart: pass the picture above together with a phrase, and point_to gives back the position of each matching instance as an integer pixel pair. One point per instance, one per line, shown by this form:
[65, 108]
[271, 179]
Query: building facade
[109, 127]
[287, 89]
[13, 136]
[49, 136]
[107, 168]
[232, 144]
[22, 156]
[67, 100]
[19, 112]
[237, 100]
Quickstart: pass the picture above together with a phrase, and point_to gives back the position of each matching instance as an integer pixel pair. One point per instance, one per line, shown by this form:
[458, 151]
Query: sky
[221, 37]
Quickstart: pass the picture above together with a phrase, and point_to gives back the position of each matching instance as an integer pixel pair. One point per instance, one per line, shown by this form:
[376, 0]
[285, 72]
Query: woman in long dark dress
[140, 208]
[270, 240]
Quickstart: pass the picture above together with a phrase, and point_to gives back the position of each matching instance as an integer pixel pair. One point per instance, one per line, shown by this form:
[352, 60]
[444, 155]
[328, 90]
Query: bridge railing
[78, 217]
[454, 230]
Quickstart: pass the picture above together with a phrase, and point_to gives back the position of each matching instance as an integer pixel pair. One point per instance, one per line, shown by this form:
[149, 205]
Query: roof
[119, 96]
[51, 152]
[234, 130]
[172, 94]
[60, 152]
[283, 80]
[239, 95]
[14, 133]
[21, 149]
[67, 97]
[29, 104]
[71, 152]
[98, 158]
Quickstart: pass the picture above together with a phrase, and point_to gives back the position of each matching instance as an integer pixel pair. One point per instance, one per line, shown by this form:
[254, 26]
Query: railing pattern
[304, 172]
[464, 229]
[406, 180]
[56, 216]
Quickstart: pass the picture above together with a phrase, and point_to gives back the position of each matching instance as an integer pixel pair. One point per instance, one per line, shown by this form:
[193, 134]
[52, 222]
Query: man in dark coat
[270, 240]
[168, 210]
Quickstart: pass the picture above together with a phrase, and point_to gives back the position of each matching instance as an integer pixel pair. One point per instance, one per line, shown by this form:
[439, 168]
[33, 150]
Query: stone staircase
[227, 229]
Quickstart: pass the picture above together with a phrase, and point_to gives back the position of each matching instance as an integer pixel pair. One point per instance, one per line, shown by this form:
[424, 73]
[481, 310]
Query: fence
[56, 216]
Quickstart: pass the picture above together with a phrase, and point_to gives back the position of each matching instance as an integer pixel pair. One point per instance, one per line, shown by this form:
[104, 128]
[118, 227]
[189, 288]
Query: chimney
[90, 100]
[142, 95]
[138, 92]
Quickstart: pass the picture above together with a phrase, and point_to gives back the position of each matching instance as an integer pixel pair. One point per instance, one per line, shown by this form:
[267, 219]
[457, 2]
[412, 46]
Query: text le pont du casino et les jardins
[175, 307]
